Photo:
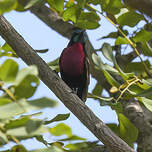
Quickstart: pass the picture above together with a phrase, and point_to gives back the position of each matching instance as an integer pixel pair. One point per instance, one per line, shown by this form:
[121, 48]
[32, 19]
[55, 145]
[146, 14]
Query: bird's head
[78, 35]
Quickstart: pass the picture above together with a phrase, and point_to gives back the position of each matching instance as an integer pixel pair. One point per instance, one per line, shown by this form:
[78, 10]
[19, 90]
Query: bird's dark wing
[86, 79]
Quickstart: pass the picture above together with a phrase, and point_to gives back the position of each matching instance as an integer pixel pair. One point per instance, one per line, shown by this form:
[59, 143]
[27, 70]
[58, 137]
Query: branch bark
[61, 90]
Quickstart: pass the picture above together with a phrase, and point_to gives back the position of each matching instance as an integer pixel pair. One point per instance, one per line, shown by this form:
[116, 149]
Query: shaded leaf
[18, 148]
[42, 51]
[130, 16]
[88, 20]
[17, 122]
[97, 89]
[59, 117]
[32, 125]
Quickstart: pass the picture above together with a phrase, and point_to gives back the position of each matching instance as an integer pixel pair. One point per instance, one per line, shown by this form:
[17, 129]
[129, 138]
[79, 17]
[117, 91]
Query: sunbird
[74, 64]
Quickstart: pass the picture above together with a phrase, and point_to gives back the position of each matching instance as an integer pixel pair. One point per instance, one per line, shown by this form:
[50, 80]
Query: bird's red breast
[72, 59]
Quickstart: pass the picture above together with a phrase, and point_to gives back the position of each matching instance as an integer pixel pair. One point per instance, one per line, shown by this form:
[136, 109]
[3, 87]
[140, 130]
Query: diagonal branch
[61, 90]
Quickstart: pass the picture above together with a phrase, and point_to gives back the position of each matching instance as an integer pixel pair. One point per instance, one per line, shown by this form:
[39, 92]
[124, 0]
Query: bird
[74, 64]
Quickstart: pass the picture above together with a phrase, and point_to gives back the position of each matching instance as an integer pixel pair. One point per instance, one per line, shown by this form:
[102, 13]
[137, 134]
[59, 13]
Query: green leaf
[112, 6]
[32, 125]
[97, 61]
[137, 67]
[121, 40]
[42, 51]
[26, 82]
[54, 65]
[6, 50]
[3, 138]
[50, 149]
[41, 103]
[147, 102]
[142, 36]
[128, 132]
[107, 52]
[7, 5]
[72, 138]
[23, 73]
[61, 129]
[18, 148]
[130, 16]
[19, 107]
[42, 140]
[114, 127]
[110, 79]
[31, 3]
[17, 122]
[8, 70]
[146, 49]
[56, 4]
[59, 117]
[4, 101]
[76, 146]
[81, 3]
[27, 87]
[21, 132]
[97, 89]
[88, 20]
[71, 13]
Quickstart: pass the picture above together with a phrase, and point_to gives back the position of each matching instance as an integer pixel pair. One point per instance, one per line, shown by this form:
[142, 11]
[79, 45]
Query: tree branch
[61, 90]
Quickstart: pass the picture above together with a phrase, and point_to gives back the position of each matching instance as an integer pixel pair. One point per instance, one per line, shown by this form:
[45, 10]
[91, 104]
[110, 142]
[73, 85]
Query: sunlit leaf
[71, 13]
[56, 4]
[7, 5]
[8, 70]
[72, 138]
[147, 102]
[128, 132]
[61, 129]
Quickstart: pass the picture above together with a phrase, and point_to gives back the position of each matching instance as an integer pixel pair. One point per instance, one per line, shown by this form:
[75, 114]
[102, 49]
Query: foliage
[132, 80]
